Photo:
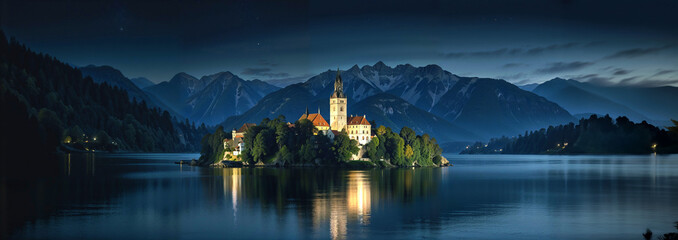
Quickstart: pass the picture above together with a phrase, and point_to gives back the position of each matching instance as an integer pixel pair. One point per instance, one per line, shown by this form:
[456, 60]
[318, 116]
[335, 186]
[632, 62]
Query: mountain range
[428, 99]
[142, 82]
[115, 78]
[449, 107]
[209, 100]
[652, 104]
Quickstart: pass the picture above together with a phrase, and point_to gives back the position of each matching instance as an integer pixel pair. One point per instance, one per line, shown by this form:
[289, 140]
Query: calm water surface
[146, 196]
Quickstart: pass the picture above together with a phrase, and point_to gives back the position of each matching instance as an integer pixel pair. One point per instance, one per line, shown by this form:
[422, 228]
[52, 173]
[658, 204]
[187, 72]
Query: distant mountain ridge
[177, 90]
[212, 98]
[142, 82]
[652, 104]
[430, 89]
[495, 107]
[394, 112]
[226, 95]
[113, 77]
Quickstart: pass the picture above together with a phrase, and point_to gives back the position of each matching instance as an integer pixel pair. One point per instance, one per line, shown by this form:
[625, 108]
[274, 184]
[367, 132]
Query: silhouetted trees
[47, 103]
[665, 236]
[597, 135]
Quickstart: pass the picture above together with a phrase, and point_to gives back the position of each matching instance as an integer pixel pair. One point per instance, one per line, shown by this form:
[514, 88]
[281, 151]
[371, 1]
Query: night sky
[606, 42]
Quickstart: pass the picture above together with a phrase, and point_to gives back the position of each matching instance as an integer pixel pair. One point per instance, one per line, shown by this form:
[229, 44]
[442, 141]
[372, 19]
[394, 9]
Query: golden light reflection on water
[232, 179]
[338, 208]
[358, 196]
[328, 202]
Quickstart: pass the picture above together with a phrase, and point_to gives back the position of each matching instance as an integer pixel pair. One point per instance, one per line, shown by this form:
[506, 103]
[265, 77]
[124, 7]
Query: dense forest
[595, 135]
[276, 142]
[47, 105]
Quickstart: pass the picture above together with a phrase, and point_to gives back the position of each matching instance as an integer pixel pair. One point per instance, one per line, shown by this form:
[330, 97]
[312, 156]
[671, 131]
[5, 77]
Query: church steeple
[306, 111]
[338, 86]
[338, 102]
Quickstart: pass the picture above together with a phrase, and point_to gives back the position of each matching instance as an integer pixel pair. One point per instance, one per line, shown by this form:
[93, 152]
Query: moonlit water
[146, 196]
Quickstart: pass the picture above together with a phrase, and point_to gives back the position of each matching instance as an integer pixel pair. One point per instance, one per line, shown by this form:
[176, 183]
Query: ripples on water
[125, 196]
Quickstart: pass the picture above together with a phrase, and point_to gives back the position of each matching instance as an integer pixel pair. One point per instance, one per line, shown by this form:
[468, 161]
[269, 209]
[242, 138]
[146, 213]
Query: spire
[338, 86]
[318, 110]
[306, 111]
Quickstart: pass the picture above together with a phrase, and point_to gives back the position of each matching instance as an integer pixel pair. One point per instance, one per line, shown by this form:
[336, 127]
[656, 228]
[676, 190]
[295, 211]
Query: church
[357, 127]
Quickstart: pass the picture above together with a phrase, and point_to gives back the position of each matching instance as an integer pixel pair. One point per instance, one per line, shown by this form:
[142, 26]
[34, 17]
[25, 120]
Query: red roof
[358, 120]
[316, 119]
[335, 132]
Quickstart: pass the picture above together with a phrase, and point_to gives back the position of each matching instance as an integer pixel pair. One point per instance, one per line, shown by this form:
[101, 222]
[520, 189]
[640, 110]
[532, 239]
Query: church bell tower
[338, 104]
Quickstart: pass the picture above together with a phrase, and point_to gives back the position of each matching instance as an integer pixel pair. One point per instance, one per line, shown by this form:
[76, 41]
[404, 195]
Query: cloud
[512, 76]
[264, 72]
[264, 62]
[620, 71]
[511, 51]
[663, 72]
[538, 50]
[283, 82]
[514, 65]
[492, 53]
[563, 67]
[655, 82]
[637, 52]
[594, 79]
[627, 81]
[523, 82]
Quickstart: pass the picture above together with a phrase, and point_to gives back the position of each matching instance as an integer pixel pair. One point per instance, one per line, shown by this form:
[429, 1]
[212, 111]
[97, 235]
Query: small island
[595, 135]
[346, 141]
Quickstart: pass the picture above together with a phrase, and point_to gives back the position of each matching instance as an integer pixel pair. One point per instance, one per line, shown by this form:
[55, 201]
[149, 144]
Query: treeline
[405, 148]
[47, 103]
[595, 135]
[274, 141]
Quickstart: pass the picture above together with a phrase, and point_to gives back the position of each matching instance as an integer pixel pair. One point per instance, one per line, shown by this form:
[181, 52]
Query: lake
[146, 196]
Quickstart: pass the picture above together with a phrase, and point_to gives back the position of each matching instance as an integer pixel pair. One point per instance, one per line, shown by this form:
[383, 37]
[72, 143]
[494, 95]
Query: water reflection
[339, 207]
[332, 200]
[529, 197]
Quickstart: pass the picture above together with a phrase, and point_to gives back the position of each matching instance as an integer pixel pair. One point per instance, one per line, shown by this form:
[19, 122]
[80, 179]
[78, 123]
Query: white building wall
[360, 133]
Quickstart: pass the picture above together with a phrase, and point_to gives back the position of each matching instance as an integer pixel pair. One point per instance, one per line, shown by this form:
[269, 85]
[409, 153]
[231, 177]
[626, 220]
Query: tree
[344, 147]
[382, 130]
[259, 148]
[396, 148]
[285, 156]
[373, 149]
[307, 153]
[409, 155]
[408, 135]
[674, 128]
[648, 234]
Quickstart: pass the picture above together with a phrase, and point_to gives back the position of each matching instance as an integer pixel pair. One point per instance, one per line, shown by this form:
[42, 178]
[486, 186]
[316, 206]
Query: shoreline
[354, 164]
